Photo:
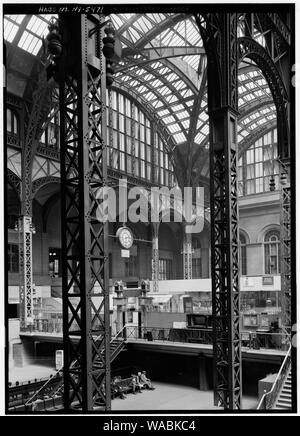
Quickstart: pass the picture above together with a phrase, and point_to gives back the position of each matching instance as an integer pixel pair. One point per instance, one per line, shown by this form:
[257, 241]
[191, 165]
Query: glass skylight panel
[173, 128]
[199, 138]
[156, 17]
[134, 34]
[182, 115]
[16, 18]
[179, 84]
[10, 30]
[37, 26]
[178, 107]
[205, 129]
[30, 43]
[193, 61]
[186, 124]
[117, 22]
[169, 120]
[171, 98]
[179, 137]
[163, 113]
[148, 77]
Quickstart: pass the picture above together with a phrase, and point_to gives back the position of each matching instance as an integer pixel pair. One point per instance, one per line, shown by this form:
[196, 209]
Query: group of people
[138, 382]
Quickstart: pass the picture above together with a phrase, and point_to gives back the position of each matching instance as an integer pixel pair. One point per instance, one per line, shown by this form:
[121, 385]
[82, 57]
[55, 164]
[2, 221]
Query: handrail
[118, 333]
[268, 399]
[31, 399]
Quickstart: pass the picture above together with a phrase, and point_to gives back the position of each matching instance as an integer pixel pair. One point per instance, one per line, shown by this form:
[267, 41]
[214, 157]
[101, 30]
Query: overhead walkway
[264, 347]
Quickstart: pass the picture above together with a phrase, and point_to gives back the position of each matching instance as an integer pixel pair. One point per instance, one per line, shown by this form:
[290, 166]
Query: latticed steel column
[155, 257]
[39, 109]
[219, 34]
[25, 262]
[187, 256]
[285, 226]
[84, 237]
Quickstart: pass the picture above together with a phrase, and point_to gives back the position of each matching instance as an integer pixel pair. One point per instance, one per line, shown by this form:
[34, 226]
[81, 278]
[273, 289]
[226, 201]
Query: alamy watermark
[157, 205]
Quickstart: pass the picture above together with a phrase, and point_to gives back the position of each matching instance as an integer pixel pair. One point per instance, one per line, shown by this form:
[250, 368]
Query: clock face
[125, 237]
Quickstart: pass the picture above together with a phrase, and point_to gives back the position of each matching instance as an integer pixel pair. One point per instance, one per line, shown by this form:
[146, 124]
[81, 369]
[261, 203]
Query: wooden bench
[122, 386]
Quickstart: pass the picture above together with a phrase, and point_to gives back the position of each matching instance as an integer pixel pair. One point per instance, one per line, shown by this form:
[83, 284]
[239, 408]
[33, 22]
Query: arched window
[134, 146]
[243, 255]
[257, 164]
[12, 122]
[272, 252]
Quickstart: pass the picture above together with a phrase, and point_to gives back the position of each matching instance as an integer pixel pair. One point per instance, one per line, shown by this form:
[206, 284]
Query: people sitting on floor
[117, 389]
[136, 386]
[145, 381]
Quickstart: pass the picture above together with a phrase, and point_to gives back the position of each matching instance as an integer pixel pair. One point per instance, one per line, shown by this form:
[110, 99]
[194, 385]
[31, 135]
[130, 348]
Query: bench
[122, 386]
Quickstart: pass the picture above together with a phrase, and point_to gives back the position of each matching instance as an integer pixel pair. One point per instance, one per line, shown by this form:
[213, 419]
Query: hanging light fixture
[54, 39]
[109, 41]
[272, 183]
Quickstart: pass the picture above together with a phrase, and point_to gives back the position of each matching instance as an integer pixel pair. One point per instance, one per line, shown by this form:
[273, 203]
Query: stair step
[283, 406]
[285, 395]
[284, 401]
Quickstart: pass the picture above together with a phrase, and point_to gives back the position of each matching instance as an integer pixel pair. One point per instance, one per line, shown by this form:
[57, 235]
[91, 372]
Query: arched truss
[248, 48]
[42, 181]
[148, 51]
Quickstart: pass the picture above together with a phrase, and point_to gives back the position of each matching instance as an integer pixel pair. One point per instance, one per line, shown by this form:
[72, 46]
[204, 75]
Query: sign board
[125, 253]
[268, 280]
[179, 324]
[59, 359]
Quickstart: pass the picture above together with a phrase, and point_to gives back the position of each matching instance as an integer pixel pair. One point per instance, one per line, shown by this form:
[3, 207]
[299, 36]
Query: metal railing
[203, 336]
[269, 399]
[249, 340]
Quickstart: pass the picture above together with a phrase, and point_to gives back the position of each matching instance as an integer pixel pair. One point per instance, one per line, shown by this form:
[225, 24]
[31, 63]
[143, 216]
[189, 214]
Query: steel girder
[25, 263]
[219, 34]
[187, 256]
[40, 105]
[286, 258]
[155, 257]
[84, 237]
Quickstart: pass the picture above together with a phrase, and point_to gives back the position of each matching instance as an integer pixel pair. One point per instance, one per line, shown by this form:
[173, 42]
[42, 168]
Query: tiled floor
[166, 396]
[173, 397]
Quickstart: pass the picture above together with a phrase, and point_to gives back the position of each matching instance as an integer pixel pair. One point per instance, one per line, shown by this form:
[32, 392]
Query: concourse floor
[173, 397]
[29, 373]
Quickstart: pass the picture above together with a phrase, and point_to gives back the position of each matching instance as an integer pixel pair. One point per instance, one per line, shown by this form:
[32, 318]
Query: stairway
[284, 400]
[117, 344]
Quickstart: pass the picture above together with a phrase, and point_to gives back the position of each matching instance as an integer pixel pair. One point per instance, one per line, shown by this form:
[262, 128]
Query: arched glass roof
[163, 67]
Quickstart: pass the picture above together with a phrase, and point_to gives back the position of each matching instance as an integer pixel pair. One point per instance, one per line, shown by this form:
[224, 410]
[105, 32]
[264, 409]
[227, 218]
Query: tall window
[165, 269]
[257, 164]
[272, 252]
[196, 260]
[12, 122]
[131, 266]
[13, 258]
[133, 146]
[50, 136]
[243, 255]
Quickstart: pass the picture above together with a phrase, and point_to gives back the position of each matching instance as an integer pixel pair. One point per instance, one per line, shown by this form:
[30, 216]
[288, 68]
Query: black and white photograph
[149, 211]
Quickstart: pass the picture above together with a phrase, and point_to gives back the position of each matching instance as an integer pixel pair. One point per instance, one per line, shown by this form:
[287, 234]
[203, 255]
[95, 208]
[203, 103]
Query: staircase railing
[120, 335]
[268, 400]
[42, 388]
[58, 388]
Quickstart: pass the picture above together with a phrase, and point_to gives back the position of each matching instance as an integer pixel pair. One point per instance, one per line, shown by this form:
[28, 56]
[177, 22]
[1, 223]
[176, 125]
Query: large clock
[125, 236]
